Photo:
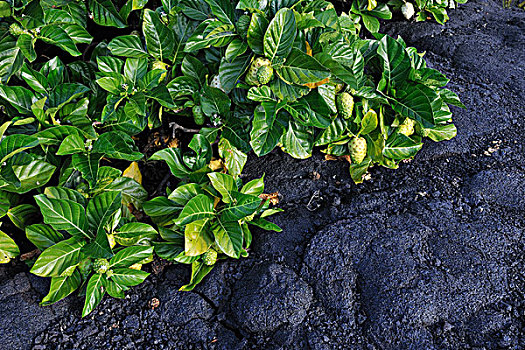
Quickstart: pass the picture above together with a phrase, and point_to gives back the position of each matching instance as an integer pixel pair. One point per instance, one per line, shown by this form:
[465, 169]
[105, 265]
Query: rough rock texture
[430, 256]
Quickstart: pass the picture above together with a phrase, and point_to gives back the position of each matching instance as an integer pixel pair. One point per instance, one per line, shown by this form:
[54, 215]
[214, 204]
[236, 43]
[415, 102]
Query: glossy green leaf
[127, 46]
[224, 184]
[280, 35]
[300, 68]
[197, 237]
[8, 248]
[105, 13]
[64, 214]
[130, 255]
[61, 287]
[94, 293]
[256, 32]
[43, 236]
[198, 208]
[128, 277]
[159, 38]
[228, 237]
[58, 258]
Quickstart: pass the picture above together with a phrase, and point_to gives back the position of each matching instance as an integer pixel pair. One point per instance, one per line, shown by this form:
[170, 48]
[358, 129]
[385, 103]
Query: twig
[176, 126]
[162, 184]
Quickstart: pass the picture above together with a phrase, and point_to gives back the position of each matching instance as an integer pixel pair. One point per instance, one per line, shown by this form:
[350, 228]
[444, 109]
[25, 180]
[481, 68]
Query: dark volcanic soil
[430, 256]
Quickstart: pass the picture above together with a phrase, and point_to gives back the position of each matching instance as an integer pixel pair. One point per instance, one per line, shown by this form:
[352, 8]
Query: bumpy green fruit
[198, 116]
[345, 104]
[357, 148]
[407, 127]
[264, 74]
[101, 265]
[251, 75]
[16, 30]
[210, 257]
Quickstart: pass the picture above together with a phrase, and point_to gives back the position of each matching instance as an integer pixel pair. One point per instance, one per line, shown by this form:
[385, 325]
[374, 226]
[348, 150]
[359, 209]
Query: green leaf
[71, 144]
[36, 80]
[130, 255]
[215, 101]
[396, 62]
[18, 97]
[183, 193]
[8, 248]
[58, 258]
[159, 38]
[256, 31]
[243, 206]
[64, 214]
[193, 67]
[94, 293]
[198, 208]
[197, 238]
[64, 93]
[415, 101]
[236, 48]
[55, 35]
[43, 236]
[234, 159]
[11, 58]
[300, 68]
[134, 233]
[266, 129]
[228, 237]
[231, 72]
[287, 92]
[105, 13]
[265, 225]
[26, 44]
[5, 9]
[33, 175]
[371, 23]
[254, 187]
[369, 122]
[58, 192]
[127, 46]
[87, 164]
[172, 157]
[99, 247]
[199, 270]
[441, 132]
[401, 147]
[261, 94]
[280, 34]
[223, 10]
[224, 184]
[298, 141]
[162, 209]
[128, 277]
[61, 287]
[13, 144]
[22, 215]
[101, 209]
[117, 145]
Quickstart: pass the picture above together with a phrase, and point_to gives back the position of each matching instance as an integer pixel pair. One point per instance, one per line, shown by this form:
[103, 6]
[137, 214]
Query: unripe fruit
[407, 127]
[210, 257]
[357, 148]
[15, 29]
[264, 74]
[345, 105]
[251, 76]
[101, 265]
[198, 116]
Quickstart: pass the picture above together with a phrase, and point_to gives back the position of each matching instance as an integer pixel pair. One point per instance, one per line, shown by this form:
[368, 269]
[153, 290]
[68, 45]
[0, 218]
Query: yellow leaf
[216, 164]
[133, 172]
[308, 49]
